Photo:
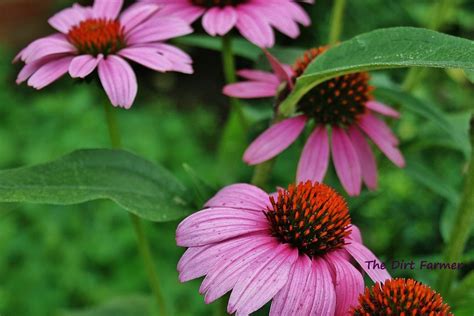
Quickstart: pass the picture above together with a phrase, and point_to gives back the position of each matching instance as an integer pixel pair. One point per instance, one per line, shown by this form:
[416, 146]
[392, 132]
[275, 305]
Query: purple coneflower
[344, 113]
[255, 19]
[294, 247]
[98, 37]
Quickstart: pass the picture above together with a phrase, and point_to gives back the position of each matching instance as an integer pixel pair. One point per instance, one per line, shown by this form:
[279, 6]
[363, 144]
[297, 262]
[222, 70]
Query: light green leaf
[383, 49]
[469, 74]
[137, 185]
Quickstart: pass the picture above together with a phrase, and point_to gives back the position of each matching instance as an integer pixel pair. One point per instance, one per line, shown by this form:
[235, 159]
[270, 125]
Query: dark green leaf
[137, 185]
[382, 49]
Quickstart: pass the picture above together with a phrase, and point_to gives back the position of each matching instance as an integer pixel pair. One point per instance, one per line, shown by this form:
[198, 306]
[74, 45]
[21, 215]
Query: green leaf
[137, 185]
[430, 112]
[124, 306]
[383, 49]
[202, 190]
[469, 74]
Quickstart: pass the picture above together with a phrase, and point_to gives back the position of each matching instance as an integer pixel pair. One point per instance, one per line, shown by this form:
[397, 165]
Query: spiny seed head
[404, 297]
[339, 101]
[311, 217]
[217, 3]
[97, 36]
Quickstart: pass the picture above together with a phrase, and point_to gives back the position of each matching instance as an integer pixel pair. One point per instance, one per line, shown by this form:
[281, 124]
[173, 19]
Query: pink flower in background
[98, 37]
[343, 111]
[255, 19]
[294, 247]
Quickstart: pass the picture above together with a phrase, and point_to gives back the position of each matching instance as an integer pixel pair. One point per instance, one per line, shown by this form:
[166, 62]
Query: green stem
[336, 21]
[462, 227]
[228, 63]
[143, 244]
[261, 173]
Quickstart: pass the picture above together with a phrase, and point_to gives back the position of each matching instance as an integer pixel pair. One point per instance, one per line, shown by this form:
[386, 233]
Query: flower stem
[336, 21]
[228, 62]
[143, 244]
[462, 227]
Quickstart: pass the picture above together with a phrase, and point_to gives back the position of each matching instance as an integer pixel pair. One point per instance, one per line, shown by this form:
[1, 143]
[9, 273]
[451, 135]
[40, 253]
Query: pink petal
[254, 27]
[314, 160]
[219, 21]
[107, 8]
[381, 126]
[355, 234]
[385, 145]
[367, 161]
[281, 19]
[298, 14]
[274, 140]
[240, 196]
[382, 109]
[363, 255]
[84, 65]
[258, 75]
[49, 72]
[324, 300]
[290, 300]
[233, 264]
[348, 284]
[217, 224]
[279, 69]
[264, 278]
[147, 57]
[180, 61]
[137, 14]
[118, 80]
[346, 162]
[64, 20]
[183, 11]
[198, 261]
[250, 90]
[47, 46]
[31, 68]
[158, 29]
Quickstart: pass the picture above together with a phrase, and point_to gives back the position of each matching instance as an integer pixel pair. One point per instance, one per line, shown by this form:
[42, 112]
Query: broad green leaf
[430, 179]
[137, 185]
[383, 49]
[123, 306]
[469, 74]
[430, 112]
[202, 190]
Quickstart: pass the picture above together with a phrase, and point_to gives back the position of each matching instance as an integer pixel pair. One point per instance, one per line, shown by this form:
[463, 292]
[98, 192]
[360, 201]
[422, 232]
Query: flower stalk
[462, 227]
[143, 244]
[336, 21]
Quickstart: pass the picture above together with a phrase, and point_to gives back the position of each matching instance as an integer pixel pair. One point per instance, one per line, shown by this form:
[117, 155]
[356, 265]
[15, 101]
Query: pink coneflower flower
[294, 247]
[97, 37]
[343, 106]
[400, 297]
[255, 19]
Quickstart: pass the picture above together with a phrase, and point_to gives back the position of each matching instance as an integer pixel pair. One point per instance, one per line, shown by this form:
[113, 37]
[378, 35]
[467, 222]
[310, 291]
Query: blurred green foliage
[60, 259]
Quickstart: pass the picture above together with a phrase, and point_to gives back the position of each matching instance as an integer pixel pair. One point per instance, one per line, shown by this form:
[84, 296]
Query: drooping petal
[250, 90]
[290, 300]
[258, 75]
[119, 81]
[274, 140]
[382, 128]
[137, 14]
[346, 162]
[355, 234]
[47, 46]
[109, 9]
[324, 300]
[49, 72]
[263, 279]
[382, 109]
[217, 224]
[240, 196]
[157, 29]
[254, 27]
[147, 57]
[84, 65]
[279, 69]
[348, 283]
[233, 264]
[363, 255]
[314, 160]
[384, 144]
[219, 21]
[367, 161]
